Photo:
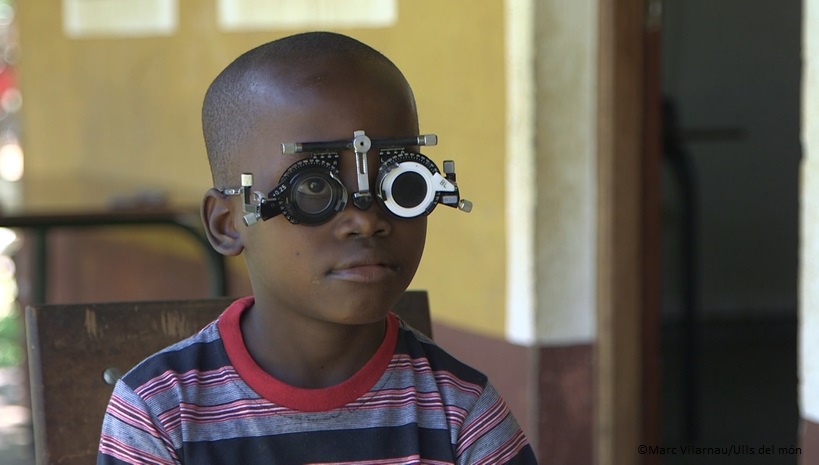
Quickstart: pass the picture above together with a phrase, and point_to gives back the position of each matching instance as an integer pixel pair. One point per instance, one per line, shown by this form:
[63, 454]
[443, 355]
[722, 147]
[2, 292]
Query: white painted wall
[809, 250]
[520, 174]
[551, 183]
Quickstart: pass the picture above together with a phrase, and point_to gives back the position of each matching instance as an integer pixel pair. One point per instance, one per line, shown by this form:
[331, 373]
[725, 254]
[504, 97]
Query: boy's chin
[359, 310]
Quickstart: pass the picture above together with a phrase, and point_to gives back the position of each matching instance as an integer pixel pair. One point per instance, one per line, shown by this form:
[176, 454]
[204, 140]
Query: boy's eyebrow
[344, 144]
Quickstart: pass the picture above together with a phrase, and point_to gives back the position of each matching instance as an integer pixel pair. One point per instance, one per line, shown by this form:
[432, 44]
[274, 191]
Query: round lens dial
[313, 192]
[405, 183]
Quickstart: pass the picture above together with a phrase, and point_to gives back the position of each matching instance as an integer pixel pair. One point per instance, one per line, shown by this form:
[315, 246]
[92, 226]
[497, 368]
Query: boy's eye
[313, 195]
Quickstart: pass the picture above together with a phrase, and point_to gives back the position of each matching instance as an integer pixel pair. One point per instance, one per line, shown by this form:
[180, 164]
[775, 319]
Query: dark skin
[322, 292]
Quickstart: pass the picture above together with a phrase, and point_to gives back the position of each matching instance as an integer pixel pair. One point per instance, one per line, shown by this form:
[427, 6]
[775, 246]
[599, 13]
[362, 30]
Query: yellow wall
[128, 109]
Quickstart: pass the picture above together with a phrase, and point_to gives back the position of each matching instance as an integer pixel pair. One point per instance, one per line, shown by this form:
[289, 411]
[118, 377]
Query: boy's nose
[370, 222]
[364, 217]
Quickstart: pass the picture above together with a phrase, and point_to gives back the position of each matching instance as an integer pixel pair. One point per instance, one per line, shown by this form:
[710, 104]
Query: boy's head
[305, 88]
[265, 81]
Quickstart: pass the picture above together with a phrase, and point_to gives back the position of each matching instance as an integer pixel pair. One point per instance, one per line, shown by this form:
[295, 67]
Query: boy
[313, 368]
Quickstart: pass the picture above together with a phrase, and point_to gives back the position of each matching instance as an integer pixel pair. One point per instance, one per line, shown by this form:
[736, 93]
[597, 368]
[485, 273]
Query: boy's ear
[217, 218]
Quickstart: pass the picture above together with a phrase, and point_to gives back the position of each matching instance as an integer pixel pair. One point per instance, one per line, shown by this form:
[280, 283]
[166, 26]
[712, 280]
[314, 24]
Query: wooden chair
[76, 352]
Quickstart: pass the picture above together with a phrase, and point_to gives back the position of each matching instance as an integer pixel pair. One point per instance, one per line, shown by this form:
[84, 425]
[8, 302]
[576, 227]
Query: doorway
[731, 74]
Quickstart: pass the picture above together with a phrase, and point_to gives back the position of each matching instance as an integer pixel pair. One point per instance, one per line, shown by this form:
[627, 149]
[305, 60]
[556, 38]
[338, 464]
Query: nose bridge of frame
[362, 198]
[351, 174]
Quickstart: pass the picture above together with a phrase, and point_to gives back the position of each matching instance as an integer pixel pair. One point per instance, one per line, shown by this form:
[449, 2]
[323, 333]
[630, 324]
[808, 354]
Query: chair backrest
[75, 351]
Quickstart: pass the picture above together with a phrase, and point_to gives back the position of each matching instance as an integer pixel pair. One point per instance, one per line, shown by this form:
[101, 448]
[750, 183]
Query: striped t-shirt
[205, 401]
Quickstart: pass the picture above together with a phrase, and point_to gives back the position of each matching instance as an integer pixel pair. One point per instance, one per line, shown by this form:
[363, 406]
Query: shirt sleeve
[491, 434]
[131, 434]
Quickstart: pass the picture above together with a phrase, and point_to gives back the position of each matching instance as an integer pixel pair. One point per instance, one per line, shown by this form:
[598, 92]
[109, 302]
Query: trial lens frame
[394, 160]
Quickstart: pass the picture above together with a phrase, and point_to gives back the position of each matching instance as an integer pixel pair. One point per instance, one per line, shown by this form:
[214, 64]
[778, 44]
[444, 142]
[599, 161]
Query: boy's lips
[365, 268]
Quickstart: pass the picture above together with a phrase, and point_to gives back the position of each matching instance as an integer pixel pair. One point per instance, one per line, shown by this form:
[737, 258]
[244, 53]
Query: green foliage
[11, 338]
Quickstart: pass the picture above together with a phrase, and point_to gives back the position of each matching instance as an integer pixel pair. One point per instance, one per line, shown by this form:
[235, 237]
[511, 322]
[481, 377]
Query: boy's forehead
[285, 78]
[330, 109]
[314, 68]
[295, 105]
[324, 100]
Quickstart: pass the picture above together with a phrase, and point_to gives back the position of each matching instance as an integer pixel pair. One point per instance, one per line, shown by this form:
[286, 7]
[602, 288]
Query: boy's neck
[308, 353]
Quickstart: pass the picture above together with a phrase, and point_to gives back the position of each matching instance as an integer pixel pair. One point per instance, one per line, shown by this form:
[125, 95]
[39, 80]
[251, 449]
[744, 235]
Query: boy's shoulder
[421, 350]
[202, 351]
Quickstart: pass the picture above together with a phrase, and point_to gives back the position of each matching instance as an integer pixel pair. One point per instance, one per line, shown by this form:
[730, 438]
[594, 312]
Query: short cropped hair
[228, 111]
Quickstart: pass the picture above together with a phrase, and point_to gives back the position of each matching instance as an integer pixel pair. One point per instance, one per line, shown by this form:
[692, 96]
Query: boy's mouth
[365, 269]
